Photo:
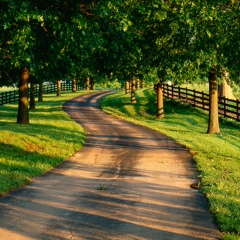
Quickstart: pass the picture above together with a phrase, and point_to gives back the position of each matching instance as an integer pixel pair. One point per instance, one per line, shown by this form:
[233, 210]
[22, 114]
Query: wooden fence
[226, 107]
[12, 96]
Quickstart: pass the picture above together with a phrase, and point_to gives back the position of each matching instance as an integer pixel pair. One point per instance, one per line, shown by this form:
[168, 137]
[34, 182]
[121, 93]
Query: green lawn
[217, 156]
[205, 88]
[7, 89]
[51, 137]
[30, 150]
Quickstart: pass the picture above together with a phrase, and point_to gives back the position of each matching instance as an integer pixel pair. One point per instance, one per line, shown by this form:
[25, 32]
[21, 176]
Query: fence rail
[8, 97]
[226, 107]
[12, 96]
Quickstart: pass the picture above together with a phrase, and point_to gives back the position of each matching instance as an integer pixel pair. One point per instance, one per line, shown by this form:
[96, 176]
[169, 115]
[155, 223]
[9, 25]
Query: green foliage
[27, 151]
[178, 39]
[54, 40]
[112, 85]
[121, 38]
[213, 25]
[217, 156]
[102, 187]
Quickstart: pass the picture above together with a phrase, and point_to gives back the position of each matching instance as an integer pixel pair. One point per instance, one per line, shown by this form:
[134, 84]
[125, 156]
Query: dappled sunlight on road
[125, 208]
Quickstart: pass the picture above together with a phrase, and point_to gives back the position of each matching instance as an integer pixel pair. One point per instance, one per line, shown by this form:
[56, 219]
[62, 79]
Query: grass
[205, 88]
[102, 187]
[217, 156]
[198, 87]
[27, 151]
[7, 89]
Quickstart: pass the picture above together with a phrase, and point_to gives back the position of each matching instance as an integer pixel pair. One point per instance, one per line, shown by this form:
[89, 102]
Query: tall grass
[27, 151]
[217, 156]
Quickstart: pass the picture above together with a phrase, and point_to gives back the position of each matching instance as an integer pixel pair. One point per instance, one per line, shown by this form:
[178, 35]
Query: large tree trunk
[40, 93]
[58, 88]
[225, 89]
[213, 121]
[92, 84]
[32, 96]
[74, 85]
[87, 84]
[127, 87]
[23, 112]
[133, 88]
[160, 107]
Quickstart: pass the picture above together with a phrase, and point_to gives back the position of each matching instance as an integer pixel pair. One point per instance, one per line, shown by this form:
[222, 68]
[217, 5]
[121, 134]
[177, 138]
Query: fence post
[225, 106]
[10, 99]
[172, 92]
[164, 90]
[6, 98]
[203, 102]
[186, 98]
[238, 110]
[179, 92]
[194, 97]
[36, 90]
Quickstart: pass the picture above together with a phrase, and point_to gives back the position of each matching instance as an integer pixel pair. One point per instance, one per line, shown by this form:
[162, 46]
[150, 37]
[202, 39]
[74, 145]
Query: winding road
[128, 182]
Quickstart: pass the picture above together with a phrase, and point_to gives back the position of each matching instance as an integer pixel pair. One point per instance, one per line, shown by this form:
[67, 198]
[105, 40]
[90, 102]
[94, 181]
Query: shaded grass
[27, 151]
[217, 156]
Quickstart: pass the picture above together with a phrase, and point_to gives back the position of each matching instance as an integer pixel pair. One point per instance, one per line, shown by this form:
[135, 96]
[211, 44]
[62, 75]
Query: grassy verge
[27, 151]
[217, 156]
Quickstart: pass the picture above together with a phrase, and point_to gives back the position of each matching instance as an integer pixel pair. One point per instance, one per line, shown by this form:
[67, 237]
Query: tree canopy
[180, 39]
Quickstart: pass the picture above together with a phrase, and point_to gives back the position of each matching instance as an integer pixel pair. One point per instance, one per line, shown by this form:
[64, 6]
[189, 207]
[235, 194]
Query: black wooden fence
[227, 107]
[12, 96]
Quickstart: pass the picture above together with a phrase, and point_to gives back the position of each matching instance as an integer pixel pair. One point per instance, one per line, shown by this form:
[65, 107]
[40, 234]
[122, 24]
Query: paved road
[128, 182]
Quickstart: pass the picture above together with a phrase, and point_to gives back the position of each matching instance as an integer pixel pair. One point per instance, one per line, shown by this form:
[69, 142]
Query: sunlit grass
[6, 89]
[217, 156]
[205, 88]
[30, 150]
[198, 87]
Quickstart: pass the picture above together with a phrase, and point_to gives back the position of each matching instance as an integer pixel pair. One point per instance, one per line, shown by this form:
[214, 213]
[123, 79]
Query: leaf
[208, 33]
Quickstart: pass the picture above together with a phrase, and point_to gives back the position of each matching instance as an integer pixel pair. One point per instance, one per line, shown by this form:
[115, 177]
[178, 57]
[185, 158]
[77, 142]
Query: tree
[74, 85]
[213, 25]
[182, 39]
[23, 113]
[59, 88]
[133, 89]
[32, 96]
[213, 122]
[41, 36]
[160, 107]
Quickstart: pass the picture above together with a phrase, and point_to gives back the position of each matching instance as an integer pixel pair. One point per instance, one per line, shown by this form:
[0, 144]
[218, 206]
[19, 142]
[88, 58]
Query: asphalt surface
[128, 182]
